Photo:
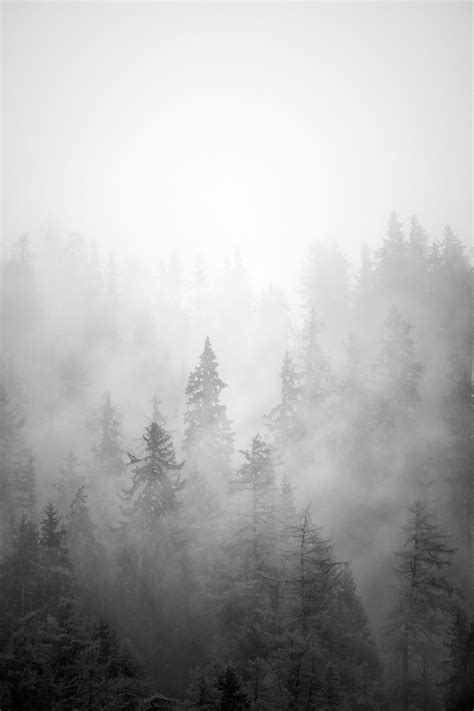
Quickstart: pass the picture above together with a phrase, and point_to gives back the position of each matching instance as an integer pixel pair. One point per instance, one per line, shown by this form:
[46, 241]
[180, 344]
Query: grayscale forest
[212, 497]
[236, 355]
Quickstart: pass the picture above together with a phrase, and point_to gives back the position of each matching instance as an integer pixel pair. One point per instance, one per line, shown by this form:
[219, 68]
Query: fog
[200, 127]
[259, 215]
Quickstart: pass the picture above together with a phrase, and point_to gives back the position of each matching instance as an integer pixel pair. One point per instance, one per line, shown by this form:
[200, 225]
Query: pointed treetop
[207, 431]
[153, 490]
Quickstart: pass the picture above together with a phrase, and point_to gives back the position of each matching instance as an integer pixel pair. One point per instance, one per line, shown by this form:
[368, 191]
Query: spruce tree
[316, 378]
[460, 678]
[155, 481]
[400, 373]
[69, 481]
[392, 257]
[56, 565]
[21, 573]
[13, 454]
[419, 619]
[255, 485]
[208, 440]
[107, 452]
[283, 421]
[232, 696]
[87, 555]
[24, 486]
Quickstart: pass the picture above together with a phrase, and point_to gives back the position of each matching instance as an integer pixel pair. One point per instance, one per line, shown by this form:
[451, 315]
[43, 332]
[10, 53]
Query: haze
[153, 127]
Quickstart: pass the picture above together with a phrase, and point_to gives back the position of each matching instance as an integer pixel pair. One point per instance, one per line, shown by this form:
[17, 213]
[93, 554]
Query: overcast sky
[152, 126]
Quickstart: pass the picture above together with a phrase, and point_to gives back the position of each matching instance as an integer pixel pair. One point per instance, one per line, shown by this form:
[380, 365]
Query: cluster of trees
[203, 577]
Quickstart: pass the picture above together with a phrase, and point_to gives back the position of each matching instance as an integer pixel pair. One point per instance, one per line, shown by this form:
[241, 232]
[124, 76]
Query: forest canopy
[218, 498]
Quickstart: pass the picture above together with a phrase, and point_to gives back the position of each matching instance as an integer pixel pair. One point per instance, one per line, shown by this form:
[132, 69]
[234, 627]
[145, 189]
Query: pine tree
[353, 645]
[202, 692]
[256, 487]
[56, 565]
[306, 616]
[24, 486]
[400, 372]
[232, 695]
[283, 421]
[315, 371]
[154, 487]
[20, 573]
[86, 554]
[392, 260]
[13, 454]
[108, 453]
[208, 440]
[70, 480]
[419, 619]
[460, 680]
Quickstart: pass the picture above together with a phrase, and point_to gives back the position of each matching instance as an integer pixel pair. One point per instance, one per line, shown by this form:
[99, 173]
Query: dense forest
[213, 498]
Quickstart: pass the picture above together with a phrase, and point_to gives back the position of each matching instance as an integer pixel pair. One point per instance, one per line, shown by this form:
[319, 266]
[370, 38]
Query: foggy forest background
[220, 498]
[236, 448]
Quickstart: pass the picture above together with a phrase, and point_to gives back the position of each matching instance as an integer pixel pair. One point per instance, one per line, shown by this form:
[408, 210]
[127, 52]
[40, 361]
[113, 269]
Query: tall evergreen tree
[255, 484]
[283, 420]
[208, 440]
[155, 481]
[460, 666]
[56, 565]
[86, 554]
[21, 574]
[419, 619]
[315, 368]
[108, 453]
[400, 372]
[69, 481]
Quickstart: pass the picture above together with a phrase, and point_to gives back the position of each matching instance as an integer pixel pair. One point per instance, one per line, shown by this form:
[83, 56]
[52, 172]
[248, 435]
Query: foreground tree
[460, 680]
[419, 619]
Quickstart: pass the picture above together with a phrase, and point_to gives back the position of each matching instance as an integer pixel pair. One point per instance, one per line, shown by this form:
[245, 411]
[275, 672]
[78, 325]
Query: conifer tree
[86, 554]
[69, 481]
[255, 484]
[12, 455]
[400, 371]
[283, 421]
[208, 440]
[303, 650]
[155, 481]
[56, 565]
[24, 486]
[232, 695]
[460, 679]
[108, 453]
[419, 619]
[392, 257]
[20, 573]
[315, 371]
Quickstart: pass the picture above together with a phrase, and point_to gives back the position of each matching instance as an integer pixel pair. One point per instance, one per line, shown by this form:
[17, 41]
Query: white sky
[152, 126]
